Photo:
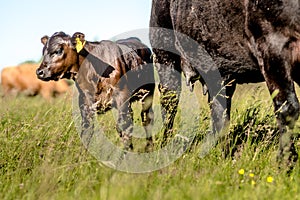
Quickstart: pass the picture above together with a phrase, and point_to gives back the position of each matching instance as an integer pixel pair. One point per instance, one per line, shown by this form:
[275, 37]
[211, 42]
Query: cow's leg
[276, 70]
[6, 88]
[168, 67]
[286, 107]
[220, 103]
[147, 116]
[220, 106]
[125, 119]
[124, 127]
[271, 49]
[167, 62]
[198, 58]
[87, 116]
[220, 124]
[46, 93]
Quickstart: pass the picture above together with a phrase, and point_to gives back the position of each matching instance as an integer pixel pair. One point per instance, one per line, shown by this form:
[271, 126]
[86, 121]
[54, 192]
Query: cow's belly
[217, 27]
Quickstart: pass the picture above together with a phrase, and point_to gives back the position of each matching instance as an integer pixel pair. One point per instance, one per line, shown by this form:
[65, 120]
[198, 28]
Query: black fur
[236, 41]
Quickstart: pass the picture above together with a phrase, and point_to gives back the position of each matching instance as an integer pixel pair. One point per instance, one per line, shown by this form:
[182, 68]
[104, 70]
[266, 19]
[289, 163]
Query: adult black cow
[107, 74]
[229, 42]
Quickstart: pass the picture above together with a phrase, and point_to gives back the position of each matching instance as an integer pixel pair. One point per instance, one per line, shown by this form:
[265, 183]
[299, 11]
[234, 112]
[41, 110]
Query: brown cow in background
[22, 79]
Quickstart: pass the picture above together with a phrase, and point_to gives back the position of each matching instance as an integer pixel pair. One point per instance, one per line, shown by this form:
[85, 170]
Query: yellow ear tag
[79, 45]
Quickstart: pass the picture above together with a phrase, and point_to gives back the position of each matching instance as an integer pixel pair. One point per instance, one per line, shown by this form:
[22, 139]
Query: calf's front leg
[87, 115]
[125, 119]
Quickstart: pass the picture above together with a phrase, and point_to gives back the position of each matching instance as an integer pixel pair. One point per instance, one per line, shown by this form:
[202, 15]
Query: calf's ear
[78, 35]
[44, 39]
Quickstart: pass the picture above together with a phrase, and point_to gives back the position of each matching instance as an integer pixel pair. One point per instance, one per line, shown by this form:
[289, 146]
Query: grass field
[42, 157]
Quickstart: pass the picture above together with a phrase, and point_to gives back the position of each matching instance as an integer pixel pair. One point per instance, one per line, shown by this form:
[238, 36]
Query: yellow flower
[253, 182]
[251, 175]
[270, 179]
[241, 171]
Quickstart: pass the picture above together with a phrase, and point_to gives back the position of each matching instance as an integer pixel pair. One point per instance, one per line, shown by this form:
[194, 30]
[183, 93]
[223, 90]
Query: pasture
[42, 157]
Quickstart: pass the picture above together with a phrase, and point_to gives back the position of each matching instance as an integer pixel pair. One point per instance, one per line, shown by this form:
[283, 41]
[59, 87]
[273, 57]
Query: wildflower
[253, 182]
[270, 179]
[251, 175]
[241, 171]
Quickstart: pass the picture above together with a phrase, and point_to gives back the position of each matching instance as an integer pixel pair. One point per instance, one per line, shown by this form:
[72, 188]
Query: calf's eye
[59, 51]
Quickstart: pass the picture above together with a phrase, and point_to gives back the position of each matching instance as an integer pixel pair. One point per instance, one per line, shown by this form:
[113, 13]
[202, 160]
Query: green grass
[42, 157]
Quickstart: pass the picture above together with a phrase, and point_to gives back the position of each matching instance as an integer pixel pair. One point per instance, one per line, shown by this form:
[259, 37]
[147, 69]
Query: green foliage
[42, 157]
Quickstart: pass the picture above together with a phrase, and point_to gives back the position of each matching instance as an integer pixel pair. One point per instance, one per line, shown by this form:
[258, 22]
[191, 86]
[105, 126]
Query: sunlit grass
[42, 157]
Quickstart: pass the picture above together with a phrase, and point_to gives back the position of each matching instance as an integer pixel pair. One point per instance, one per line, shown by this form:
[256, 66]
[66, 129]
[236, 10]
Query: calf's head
[60, 58]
